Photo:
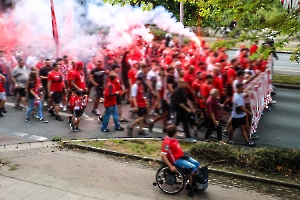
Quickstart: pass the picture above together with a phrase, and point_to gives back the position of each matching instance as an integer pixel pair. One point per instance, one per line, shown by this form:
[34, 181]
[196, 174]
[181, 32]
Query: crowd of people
[190, 86]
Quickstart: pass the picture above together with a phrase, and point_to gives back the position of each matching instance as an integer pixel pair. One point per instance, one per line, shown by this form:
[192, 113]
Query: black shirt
[171, 80]
[179, 97]
[44, 71]
[31, 86]
[98, 74]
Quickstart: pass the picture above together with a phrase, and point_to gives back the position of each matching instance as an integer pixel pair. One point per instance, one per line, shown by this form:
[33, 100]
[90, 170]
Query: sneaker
[61, 105]
[190, 140]
[96, 111]
[142, 133]
[1, 114]
[17, 106]
[101, 100]
[43, 120]
[231, 142]
[100, 119]
[123, 120]
[36, 116]
[253, 136]
[119, 129]
[77, 130]
[25, 108]
[105, 130]
[250, 144]
[188, 186]
[179, 128]
[170, 122]
[90, 100]
[51, 112]
[70, 119]
[3, 110]
[45, 104]
[27, 120]
[72, 127]
[152, 113]
[58, 118]
[65, 108]
[85, 115]
[151, 127]
[129, 130]
[225, 133]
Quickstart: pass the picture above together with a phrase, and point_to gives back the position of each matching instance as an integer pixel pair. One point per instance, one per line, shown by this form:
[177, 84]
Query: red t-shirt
[138, 93]
[2, 84]
[217, 83]
[132, 75]
[108, 99]
[253, 49]
[72, 102]
[117, 84]
[231, 73]
[172, 149]
[189, 79]
[244, 62]
[205, 90]
[79, 79]
[196, 86]
[56, 81]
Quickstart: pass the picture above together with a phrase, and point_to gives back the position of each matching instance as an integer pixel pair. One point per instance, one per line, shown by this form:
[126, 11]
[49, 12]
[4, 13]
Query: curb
[214, 171]
[287, 86]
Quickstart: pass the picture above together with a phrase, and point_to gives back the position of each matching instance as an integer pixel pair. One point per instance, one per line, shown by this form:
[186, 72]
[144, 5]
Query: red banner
[54, 28]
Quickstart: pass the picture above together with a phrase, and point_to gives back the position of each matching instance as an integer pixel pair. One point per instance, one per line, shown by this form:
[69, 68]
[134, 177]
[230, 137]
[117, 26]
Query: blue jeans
[191, 163]
[31, 106]
[111, 110]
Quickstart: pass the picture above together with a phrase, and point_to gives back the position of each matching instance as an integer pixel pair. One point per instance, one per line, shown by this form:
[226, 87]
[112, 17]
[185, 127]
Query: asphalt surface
[279, 127]
[281, 66]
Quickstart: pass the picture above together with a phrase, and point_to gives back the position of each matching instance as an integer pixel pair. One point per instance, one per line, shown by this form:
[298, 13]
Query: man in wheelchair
[173, 155]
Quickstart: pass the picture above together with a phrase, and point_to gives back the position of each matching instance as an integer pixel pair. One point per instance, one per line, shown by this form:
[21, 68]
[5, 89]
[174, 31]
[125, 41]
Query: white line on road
[20, 134]
[285, 70]
[38, 138]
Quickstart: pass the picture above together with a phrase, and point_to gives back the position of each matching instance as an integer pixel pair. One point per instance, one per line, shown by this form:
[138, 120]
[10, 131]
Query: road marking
[285, 70]
[20, 134]
[38, 138]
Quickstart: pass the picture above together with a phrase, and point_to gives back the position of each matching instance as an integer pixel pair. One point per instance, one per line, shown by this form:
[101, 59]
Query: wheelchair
[174, 182]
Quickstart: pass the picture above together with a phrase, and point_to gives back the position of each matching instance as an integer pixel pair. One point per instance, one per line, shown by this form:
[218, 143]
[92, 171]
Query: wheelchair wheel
[170, 182]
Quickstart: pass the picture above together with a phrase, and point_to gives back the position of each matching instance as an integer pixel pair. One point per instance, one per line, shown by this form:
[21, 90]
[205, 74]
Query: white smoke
[125, 24]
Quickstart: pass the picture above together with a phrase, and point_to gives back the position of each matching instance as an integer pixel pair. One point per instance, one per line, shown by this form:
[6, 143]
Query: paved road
[281, 122]
[281, 66]
[50, 173]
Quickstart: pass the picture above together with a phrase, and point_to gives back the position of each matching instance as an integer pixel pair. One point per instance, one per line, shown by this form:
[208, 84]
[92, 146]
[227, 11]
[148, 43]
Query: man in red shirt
[173, 155]
[110, 104]
[56, 86]
[140, 105]
[78, 81]
[196, 87]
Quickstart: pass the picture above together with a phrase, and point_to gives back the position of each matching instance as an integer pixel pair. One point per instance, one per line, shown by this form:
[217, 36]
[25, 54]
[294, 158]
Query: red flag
[54, 27]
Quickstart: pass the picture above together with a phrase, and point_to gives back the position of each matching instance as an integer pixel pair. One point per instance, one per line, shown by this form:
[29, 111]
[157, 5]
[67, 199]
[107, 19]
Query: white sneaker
[45, 104]
[179, 128]
[36, 116]
[152, 113]
[170, 122]
[90, 100]
[65, 108]
[61, 105]
[25, 108]
[96, 111]
[85, 115]
[101, 100]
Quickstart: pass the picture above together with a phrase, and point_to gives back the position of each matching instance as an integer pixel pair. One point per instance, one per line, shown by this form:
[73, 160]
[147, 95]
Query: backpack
[201, 178]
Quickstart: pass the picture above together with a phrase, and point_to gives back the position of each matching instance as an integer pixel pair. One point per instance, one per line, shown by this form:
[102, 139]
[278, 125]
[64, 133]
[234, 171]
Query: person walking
[110, 104]
[2, 94]
[43, 73]
[33, 88]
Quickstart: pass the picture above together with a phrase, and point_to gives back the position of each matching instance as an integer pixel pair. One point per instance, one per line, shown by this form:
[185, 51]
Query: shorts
[165, 106]
[57, 97]
[229, 90]
[77, 113]
[3, 96]
[22, 92]
[237, 122]
[99, 92]
[189, 163]
[119, 100]
[126, 83]
[142, 111]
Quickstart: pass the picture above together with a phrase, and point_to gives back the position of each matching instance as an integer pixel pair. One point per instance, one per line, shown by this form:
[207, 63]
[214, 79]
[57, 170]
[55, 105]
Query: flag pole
[54, 28]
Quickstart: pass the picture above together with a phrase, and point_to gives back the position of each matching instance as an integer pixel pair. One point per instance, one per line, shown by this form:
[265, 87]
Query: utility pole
[181, 21]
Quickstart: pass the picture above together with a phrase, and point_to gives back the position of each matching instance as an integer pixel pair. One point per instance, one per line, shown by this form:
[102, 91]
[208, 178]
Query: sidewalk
[51, 173]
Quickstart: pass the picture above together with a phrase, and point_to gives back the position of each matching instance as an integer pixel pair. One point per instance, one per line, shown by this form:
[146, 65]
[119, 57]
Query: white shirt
[134, 90]
[238, 100]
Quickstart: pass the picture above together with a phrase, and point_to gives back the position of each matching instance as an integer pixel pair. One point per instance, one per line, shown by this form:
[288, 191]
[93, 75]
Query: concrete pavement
[52, 173]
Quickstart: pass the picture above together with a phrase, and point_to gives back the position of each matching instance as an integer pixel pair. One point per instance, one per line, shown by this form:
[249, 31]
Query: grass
[286, 79]
[56, 138]
[13, 167]
[278, 164]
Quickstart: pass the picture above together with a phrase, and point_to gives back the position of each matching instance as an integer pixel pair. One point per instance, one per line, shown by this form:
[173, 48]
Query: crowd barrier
[259, 93]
